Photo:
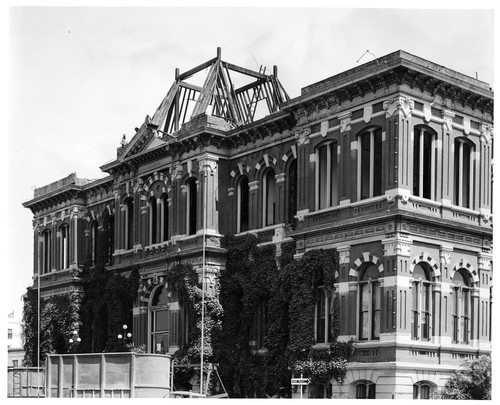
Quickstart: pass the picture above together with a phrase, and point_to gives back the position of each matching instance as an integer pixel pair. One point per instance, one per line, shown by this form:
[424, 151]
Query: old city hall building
[389, 162]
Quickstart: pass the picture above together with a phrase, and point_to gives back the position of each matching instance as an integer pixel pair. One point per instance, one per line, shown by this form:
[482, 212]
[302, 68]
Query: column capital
[208, 161]
[399, 104]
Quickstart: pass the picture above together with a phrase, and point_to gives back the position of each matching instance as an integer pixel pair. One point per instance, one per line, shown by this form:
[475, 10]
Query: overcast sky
[80, 78]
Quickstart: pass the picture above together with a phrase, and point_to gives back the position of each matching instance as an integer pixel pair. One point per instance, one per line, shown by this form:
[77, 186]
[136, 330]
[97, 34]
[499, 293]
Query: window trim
[373, 132]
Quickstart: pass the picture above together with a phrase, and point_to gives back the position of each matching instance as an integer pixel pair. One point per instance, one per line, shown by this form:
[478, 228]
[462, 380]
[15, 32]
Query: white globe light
[120, 336]
[75, 332]
[129, 335]
[78, 339]
[125, 326]
[71, 341]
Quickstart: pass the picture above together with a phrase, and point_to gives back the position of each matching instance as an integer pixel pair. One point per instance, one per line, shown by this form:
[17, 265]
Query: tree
[471, 381]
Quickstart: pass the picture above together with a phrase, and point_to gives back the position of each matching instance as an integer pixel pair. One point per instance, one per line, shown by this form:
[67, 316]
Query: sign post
[301, 382]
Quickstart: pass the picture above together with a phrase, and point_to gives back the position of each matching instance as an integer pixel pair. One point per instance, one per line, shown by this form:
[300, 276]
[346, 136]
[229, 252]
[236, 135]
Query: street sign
[300, 381]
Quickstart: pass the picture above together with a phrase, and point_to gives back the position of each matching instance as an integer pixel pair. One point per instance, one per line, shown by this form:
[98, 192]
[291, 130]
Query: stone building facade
[390, 163]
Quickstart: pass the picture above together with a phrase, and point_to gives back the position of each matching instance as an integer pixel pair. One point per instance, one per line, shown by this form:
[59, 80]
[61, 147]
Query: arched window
[242, 224]
[365, 390]
[258, 326]
[153, 222]
[326, 176]
[421, 303]
[169, 321]
[464, 173]
[191, 206]
[292, 190]
[64, 246]
[109, 235]
[46, 252]
[129, 223]
[369, 304]
[370, 163]
[422, 390]
[269, 198]
[323, 317]
[461, 306]
[424, 163]
[94, 227]
[164, 217]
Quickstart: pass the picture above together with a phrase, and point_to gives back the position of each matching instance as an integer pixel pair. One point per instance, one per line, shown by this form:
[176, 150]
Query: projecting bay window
[421, 304]
[326, 176]
[191, 189]
[370, 164]
[369, 304]
[269, 198]
[164, 218]
[153, 221]
[323, 317]
[461, 304]
[464, 174]
[64, 246]
[424, 163]
[242, 223]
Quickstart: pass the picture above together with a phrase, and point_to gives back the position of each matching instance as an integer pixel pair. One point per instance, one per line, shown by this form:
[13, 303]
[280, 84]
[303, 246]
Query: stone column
[304, 176]
[347, 160]
[448, 174]
[280, 197]
[254, 217]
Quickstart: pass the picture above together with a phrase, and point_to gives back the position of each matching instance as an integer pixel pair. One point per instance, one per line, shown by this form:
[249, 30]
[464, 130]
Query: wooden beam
[190, 86]
[192, 71]
[244, 71]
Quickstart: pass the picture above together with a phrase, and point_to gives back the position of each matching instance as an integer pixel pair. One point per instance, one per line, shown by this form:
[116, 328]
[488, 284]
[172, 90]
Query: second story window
[242, 224]
[94, 227]
[164, 217]
[46, 252]
[269, 198]
[369, 163]
[464, 174]
[64, 246]
[323, 317]
[326, 176]
[292, 190]
[129, 223]
[153, 220]
[424, 163]
[191, 189]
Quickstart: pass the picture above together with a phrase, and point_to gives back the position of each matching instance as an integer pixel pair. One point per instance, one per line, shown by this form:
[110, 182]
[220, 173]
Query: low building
[390, 163]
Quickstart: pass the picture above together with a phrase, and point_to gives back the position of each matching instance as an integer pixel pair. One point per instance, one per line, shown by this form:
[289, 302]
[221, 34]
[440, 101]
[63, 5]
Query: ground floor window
[365, 390]
[422, 391]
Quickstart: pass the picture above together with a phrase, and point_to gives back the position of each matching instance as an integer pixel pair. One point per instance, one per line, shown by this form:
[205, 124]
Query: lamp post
[126, 336]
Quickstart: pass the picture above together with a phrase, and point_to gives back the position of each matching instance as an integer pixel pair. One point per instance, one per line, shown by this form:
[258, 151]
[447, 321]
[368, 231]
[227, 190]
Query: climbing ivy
[256, 278]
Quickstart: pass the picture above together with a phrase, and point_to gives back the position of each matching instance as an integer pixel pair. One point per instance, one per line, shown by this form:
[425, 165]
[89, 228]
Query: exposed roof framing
[219, 95]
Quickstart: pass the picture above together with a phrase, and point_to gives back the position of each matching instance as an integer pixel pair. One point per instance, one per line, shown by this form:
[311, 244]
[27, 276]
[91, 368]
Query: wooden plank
[244, 71]
[207, 90]
[249, 86]
[190, 86]
[192, 71]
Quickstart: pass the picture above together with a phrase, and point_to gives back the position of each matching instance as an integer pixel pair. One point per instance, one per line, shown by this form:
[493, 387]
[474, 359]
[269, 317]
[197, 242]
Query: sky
[78, 78]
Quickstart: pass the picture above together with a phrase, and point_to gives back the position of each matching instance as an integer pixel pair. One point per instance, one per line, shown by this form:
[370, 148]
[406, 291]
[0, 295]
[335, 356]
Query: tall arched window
[370, 163]
[164, 217]
[464, 173]
[323, 317]
[64, 246]
[169, 321]
[191, 206]
[129, 223]
[326, 176]
[109, 235]
[421, 303]
[424, 163]
[269, 198]
[46, 252]
[243, 205]
[292, 190]
[94, 227]
[369, 304]
[461, 306]
[153, 220]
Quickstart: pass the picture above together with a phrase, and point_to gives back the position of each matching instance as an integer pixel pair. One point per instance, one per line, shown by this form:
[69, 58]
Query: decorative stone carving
[74, 270]
[487, 132]
[302, 135]
[345, 122]
[398, 104]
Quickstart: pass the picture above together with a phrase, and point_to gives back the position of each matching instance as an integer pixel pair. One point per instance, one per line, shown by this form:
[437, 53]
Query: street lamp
[126, 336]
